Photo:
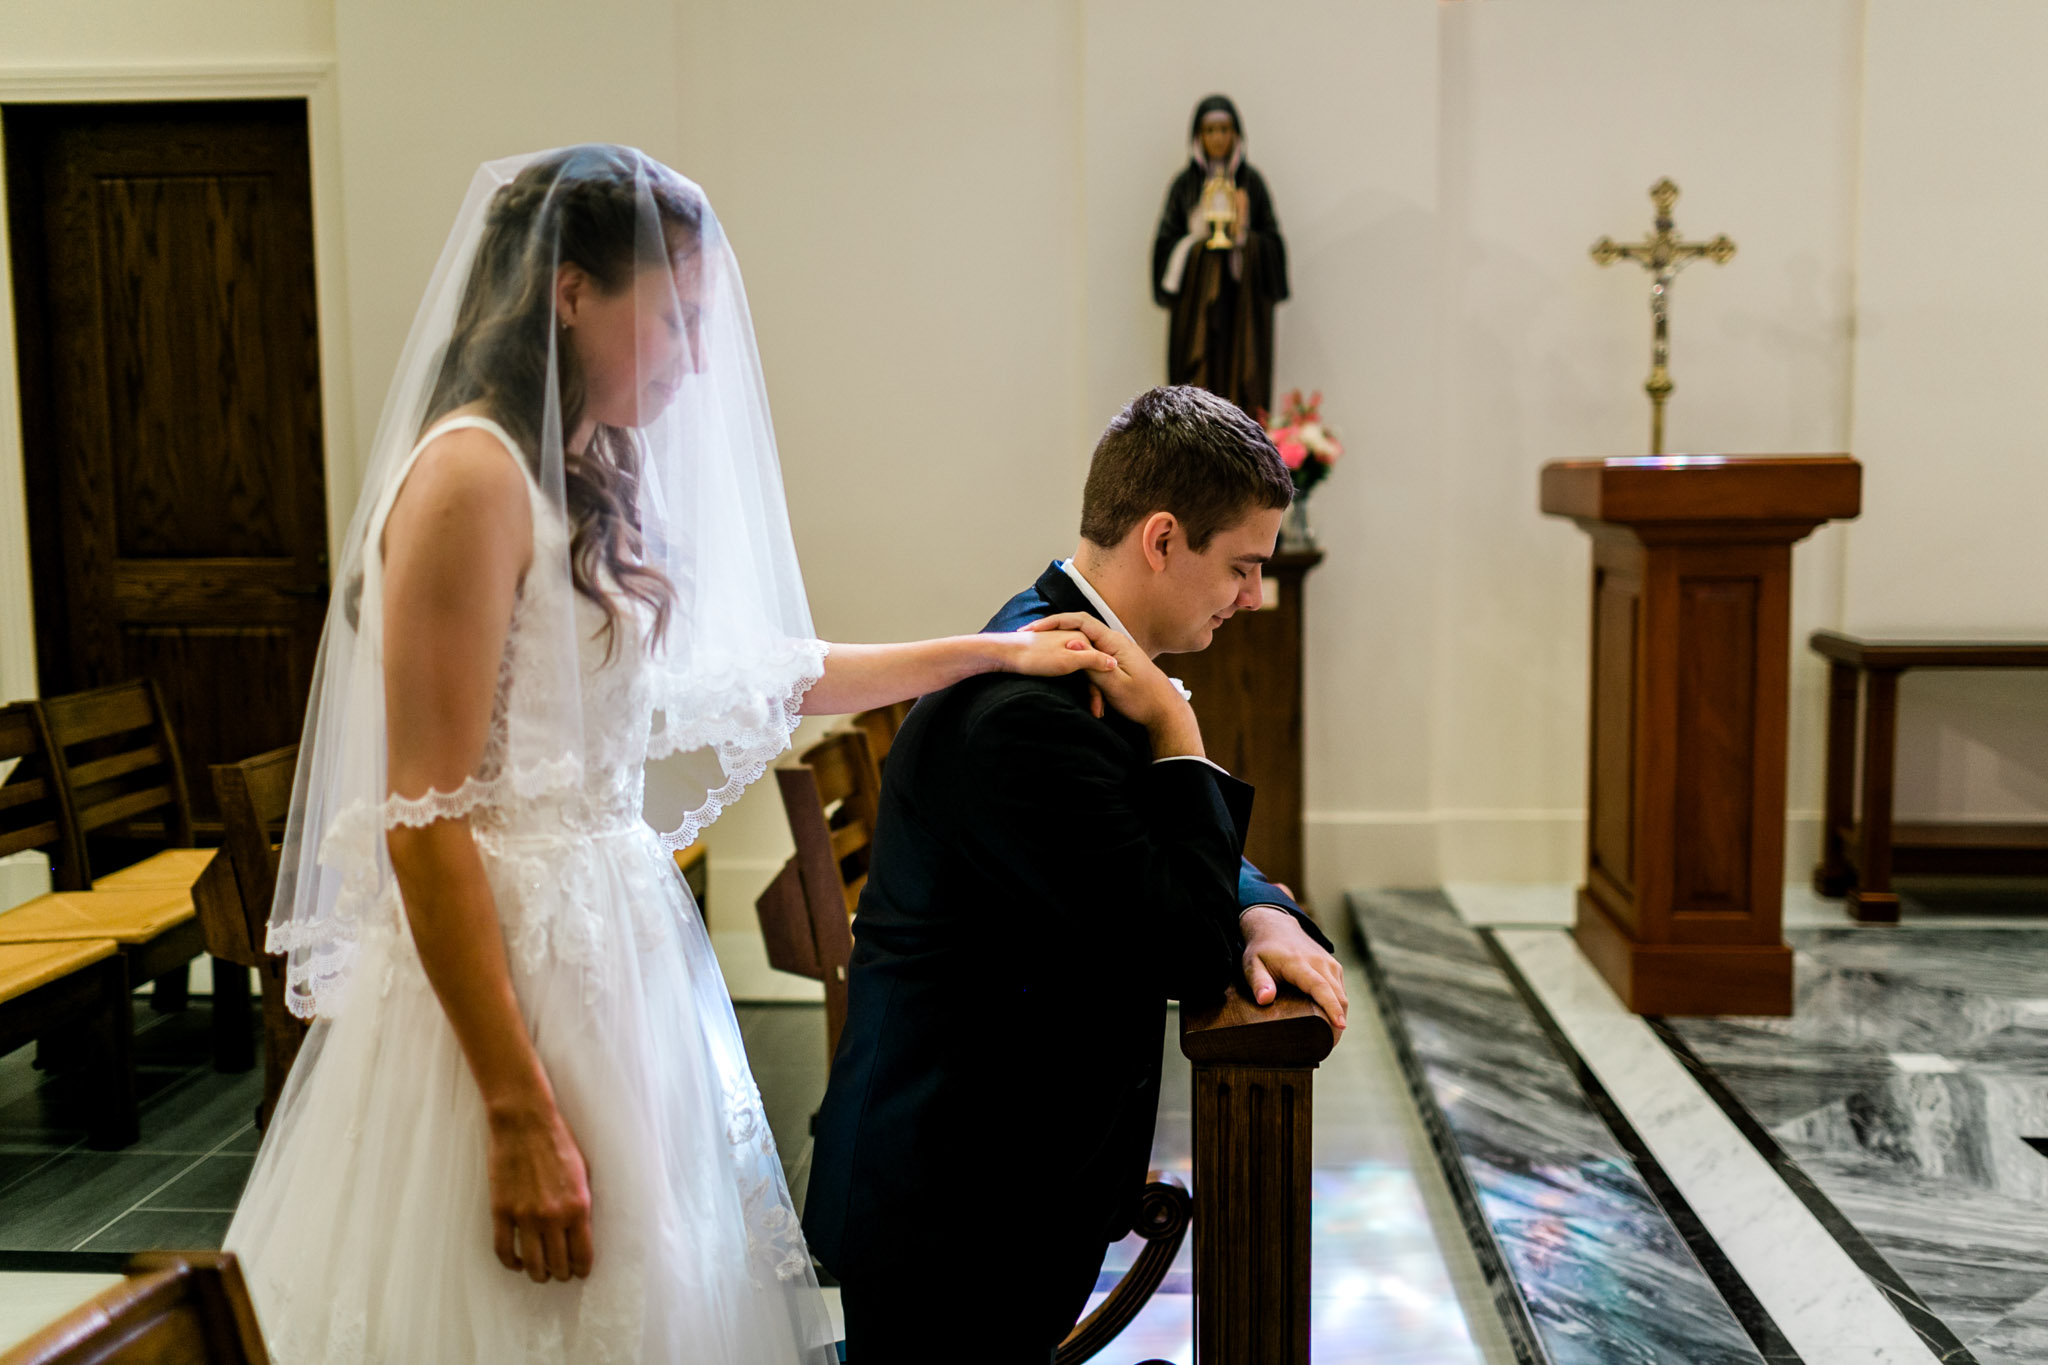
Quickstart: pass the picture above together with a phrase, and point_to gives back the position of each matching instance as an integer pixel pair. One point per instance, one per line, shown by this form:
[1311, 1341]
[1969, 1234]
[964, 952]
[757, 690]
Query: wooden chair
[35, 806]
[694, 863]
[830, 794]
[233, 898]
[1164, 1211]
[117, 760]
[880, 726]
[175, 1308]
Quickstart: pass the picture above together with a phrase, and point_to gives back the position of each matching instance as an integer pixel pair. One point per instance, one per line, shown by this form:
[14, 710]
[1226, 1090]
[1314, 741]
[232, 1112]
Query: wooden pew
[1254, 1074]
[175, 1308]
[830, 794]
[233, 898]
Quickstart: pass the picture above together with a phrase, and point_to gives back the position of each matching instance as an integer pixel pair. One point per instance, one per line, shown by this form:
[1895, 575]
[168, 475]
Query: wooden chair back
[175, 1308]
[255, 796]
[118, 761]
[880, 726]
[831, 795]
[234, 897]
[35, 807]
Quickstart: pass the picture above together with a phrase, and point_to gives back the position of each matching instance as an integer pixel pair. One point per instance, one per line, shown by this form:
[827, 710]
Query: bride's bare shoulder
[465, 487]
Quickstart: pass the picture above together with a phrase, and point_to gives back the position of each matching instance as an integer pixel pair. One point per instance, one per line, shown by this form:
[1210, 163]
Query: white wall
[944, 213]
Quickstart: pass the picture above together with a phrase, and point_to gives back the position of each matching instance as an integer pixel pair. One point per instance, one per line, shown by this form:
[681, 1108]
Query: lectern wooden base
[1684, 978]
[1685, 832]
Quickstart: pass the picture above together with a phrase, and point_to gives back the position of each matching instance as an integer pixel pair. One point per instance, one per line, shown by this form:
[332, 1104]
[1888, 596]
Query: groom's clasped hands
[1276, 949]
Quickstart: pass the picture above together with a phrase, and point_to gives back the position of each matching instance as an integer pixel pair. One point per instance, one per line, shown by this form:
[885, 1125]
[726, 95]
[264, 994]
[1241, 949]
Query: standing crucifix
[1664, 254]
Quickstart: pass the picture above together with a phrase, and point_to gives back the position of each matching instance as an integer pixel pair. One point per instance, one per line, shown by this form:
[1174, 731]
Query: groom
[1046, 875]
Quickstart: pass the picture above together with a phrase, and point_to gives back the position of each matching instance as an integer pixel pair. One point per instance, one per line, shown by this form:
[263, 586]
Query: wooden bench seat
[171, 867]
[77, 986]
[131, 917]
[158, 932]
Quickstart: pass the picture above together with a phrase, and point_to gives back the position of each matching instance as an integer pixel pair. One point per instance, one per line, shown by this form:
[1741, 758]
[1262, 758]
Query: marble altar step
[1593, 1257]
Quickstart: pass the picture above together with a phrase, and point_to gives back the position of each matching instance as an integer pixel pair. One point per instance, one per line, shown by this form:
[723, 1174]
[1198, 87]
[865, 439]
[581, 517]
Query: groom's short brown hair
[1182, 450]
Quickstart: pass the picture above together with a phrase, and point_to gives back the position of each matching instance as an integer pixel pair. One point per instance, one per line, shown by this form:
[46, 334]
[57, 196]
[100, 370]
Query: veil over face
[659, 523]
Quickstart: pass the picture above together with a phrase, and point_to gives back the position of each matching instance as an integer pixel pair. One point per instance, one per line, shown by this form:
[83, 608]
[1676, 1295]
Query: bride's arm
[860, 676]
[455, 547]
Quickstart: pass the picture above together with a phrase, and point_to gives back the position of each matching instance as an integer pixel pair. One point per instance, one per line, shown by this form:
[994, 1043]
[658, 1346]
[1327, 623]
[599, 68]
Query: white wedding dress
[365, 1229]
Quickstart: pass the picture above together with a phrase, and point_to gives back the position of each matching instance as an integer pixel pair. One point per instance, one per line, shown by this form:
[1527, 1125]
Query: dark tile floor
[177, 1186]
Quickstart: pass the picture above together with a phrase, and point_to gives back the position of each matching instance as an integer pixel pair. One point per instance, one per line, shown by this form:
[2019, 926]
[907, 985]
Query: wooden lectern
[1248, 697]
[1685, 830]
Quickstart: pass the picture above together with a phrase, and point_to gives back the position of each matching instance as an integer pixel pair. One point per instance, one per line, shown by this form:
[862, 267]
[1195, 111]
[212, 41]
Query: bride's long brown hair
[577, 207]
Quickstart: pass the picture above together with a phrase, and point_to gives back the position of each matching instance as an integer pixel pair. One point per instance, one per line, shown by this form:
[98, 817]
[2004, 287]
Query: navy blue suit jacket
[1038, 890]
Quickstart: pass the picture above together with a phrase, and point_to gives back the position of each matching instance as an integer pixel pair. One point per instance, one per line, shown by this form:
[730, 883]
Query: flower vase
[1295, 532]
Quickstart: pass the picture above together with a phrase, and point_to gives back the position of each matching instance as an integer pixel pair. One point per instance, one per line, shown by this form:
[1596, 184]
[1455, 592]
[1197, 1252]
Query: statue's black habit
[1221, 334]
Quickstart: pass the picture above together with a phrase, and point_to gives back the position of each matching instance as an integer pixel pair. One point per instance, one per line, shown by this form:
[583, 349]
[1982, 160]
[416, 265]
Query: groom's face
[1197, 591]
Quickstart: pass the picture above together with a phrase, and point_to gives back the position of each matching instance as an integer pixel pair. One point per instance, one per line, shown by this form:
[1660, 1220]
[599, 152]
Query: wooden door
[164, 311]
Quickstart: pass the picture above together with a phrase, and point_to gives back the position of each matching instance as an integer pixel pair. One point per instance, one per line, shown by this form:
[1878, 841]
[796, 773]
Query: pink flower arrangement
[1306, 446]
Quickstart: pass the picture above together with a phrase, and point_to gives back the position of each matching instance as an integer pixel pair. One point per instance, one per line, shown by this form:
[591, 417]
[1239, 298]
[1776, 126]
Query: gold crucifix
[1663, 254]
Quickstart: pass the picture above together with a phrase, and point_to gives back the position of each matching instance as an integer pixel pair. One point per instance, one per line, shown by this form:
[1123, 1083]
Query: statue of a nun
[1219, 264]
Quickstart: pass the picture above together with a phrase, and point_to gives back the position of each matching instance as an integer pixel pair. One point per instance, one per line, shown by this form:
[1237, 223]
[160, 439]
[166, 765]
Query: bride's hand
[1048, 653]
[540, 1196]
[1136, 686]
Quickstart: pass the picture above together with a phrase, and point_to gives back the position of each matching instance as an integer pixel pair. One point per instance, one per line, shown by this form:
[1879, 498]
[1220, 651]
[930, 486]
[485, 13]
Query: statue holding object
[1220, 265]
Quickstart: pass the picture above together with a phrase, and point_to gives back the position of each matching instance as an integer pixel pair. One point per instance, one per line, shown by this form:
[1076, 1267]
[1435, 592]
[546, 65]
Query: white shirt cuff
[1192, 758]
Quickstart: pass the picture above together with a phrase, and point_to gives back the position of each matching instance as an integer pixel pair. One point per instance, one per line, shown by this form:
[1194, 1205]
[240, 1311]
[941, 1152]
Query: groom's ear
[1156, 535]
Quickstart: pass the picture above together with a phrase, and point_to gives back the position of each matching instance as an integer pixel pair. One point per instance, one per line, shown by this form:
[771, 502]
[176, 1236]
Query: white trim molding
[310, 79]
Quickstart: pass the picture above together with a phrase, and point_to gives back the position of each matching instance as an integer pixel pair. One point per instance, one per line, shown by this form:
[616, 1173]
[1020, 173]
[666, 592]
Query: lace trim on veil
[759, 708]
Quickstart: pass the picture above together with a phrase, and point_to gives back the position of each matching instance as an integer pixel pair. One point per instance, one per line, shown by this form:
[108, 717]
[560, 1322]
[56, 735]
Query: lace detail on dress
[435, 805]
[775, 1236]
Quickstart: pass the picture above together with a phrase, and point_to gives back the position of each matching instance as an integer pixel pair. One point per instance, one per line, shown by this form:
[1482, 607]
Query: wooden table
[1692, 639]
[1858, 860]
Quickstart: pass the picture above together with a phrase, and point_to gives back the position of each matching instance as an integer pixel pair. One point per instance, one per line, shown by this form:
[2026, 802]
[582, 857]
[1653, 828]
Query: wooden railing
[1254, 1091]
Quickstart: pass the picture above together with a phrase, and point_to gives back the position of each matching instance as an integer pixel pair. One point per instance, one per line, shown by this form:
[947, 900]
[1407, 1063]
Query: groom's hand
[1277, 948]
[1135, 687]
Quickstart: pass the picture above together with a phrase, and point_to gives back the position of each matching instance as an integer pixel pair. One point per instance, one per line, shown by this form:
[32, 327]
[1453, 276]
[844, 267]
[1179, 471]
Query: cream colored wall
[1952, 344]
[1555, 121]
[944, 214]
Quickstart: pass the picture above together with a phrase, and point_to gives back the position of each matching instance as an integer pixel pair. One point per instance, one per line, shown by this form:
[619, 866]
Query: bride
[571, 556]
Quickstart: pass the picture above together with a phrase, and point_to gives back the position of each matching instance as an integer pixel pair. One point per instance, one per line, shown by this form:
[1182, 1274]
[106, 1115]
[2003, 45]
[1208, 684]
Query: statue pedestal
[1685, 833]
[1248, 697]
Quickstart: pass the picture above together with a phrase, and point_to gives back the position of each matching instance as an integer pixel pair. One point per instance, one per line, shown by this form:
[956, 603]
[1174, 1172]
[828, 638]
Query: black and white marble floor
[1866, 1181]
[1906, 1087]
[1587, 1264]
